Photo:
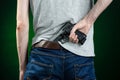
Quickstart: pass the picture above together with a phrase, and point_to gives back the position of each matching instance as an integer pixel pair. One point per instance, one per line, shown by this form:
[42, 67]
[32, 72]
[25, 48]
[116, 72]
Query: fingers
[73, 30]
[73, 38]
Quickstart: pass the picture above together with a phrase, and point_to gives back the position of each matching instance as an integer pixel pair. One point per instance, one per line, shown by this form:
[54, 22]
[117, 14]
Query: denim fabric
[54, 64]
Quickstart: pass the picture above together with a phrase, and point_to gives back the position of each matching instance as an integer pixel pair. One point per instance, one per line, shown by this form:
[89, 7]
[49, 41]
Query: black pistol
[64, 33]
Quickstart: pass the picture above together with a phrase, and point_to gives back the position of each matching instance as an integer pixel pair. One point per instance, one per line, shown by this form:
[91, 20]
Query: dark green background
[106, 38]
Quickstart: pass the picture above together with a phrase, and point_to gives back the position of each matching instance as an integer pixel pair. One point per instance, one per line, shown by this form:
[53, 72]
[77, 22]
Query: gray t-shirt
[49, 16]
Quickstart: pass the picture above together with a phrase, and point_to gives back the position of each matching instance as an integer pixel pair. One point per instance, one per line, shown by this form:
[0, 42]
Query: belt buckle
[39, 44]
[42, 42]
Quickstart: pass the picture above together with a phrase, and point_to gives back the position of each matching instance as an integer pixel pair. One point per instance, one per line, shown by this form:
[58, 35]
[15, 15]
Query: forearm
[97, 9]
[22, 45]
[22, 32]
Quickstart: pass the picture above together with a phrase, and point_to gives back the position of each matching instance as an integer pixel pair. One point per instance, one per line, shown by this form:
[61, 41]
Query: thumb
[74, 29]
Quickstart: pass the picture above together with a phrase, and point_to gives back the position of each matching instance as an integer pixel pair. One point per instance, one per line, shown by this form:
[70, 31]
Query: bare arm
[22, 30]
[98, 8]
[85, 24]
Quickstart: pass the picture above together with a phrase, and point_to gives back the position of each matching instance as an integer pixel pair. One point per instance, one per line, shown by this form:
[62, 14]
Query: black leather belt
[47, 44]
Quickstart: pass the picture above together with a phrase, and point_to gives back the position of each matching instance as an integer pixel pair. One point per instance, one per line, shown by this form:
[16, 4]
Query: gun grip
[81, 36]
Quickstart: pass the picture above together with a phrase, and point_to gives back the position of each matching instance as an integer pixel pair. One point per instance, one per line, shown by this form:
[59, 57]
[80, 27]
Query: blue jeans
[54, 64]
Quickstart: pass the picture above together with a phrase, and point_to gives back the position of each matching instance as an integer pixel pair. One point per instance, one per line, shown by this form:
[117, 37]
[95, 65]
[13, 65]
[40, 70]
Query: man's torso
[49, 16]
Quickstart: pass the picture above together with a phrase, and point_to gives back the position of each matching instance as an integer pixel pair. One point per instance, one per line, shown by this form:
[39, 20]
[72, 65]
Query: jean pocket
[84, 71]
[41, 64]
[37, 70]
[43, 67]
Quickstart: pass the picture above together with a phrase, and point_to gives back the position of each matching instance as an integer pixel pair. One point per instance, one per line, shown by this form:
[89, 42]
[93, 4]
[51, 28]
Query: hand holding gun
[63, 34]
